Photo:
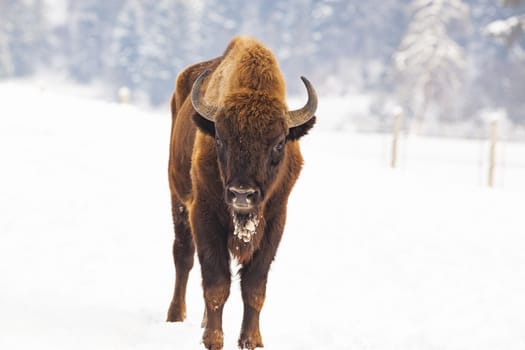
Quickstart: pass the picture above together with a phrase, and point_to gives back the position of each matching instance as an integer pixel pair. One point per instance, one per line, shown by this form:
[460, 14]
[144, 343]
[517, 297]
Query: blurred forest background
[446, 62]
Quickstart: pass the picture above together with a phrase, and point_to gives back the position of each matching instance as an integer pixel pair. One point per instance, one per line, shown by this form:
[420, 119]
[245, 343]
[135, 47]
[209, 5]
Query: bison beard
[239, 100]
[247, 234]
[245, 226]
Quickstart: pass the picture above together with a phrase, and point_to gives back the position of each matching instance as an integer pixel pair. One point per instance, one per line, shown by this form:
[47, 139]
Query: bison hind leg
[183, 255]
[176, 312]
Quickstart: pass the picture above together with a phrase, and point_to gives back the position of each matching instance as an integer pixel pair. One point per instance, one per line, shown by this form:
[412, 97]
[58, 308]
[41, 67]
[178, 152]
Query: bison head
[253, 131]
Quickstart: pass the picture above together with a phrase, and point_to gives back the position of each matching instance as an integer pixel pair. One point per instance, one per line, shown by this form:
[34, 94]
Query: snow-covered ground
[422, 257]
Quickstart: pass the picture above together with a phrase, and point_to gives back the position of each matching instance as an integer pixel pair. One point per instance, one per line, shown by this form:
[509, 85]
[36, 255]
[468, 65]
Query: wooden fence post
[398, 114]
[492, 150]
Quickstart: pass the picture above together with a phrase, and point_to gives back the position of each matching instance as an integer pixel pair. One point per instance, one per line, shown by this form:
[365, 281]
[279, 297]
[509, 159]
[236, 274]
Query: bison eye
[277, 153]
[279, 147]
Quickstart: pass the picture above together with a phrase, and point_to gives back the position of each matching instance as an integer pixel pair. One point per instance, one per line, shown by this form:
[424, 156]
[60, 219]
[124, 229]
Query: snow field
[421, 257]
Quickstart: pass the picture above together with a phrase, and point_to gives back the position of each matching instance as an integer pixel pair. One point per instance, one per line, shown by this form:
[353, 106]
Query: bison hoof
[250, 341]
[213, 339]
[176, 313]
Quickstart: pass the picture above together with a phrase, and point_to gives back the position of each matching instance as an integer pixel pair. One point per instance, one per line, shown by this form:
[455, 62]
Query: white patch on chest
[245, 226]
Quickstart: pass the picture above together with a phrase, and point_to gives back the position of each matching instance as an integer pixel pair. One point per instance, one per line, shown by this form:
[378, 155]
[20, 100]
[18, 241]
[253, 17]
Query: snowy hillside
[424, 257]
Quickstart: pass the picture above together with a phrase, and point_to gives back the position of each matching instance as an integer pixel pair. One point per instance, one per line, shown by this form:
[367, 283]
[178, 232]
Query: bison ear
[204, 125]
[298, 131]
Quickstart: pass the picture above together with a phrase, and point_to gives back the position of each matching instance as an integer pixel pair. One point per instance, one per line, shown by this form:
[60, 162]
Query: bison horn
[206, 110]
[302, 115]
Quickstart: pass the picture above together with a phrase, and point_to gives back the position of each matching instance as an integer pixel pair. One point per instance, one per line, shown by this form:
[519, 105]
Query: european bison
[234, 158]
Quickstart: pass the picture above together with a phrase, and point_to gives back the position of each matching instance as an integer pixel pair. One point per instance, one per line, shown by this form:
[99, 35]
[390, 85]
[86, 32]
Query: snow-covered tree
[429, 64]
[88, 27]
[6, 62]
[152, 41]
[161, 48]
[124, 49]
[508, 30]
[23, 36]
[358, 39]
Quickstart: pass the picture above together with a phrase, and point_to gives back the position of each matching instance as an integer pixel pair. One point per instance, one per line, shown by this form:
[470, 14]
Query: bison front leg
[216, 285]
[214, 259]
[253, 285]
[254, 276]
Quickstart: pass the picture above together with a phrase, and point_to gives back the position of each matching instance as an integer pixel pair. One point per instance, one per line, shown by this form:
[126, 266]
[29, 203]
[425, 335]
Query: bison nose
[243, 198]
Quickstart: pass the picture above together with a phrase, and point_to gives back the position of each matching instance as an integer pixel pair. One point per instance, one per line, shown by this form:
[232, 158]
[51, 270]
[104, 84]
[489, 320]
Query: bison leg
[183, 253]
[216, 286]
[253, 285]
[214, 260]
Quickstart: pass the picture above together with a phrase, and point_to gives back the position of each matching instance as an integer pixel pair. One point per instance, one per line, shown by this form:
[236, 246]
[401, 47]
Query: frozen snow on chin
[245, 226]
